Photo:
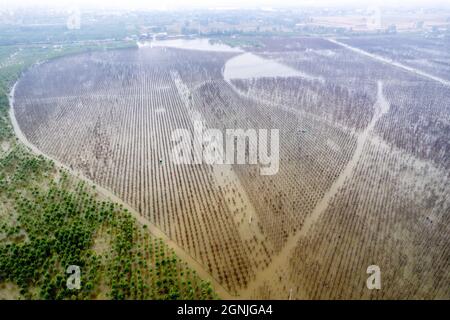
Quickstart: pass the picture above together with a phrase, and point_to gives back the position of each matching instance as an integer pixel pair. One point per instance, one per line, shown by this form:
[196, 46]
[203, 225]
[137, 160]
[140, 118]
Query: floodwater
[282, 259]
[191, 44]
[250, 66]
[244, 66]
[110, 196]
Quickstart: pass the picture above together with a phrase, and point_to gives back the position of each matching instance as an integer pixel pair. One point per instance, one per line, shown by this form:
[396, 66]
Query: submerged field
[364, 161]
[50, 220]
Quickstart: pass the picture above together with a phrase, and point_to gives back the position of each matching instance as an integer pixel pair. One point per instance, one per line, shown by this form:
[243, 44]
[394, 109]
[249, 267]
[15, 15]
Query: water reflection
[249, 66]
[191, 44]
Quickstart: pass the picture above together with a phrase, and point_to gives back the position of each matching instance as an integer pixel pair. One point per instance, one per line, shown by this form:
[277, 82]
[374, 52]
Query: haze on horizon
[176, 4]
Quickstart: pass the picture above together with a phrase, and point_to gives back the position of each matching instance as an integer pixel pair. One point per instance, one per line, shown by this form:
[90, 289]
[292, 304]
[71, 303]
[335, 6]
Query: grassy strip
[50, 220]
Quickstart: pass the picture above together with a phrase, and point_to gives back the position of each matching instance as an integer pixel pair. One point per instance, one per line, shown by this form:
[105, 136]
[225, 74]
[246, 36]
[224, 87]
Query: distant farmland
[364, 175]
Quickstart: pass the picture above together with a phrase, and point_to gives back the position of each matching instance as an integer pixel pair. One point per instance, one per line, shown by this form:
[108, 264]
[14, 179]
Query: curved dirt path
[282, 259]
[154, 230]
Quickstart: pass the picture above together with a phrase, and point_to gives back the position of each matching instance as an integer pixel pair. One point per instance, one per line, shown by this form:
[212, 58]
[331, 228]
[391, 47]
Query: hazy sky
[151, 4]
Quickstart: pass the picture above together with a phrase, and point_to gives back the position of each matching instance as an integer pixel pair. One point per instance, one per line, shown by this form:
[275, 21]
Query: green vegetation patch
[50, 221]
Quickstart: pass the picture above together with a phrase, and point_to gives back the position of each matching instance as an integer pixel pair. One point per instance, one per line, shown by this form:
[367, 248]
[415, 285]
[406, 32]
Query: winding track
[282, 259]
[194, 264]
[381, 107]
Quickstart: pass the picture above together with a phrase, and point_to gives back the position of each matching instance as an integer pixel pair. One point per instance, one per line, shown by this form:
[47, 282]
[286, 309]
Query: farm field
[50, 219]
[364, 169]
[429, 55]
